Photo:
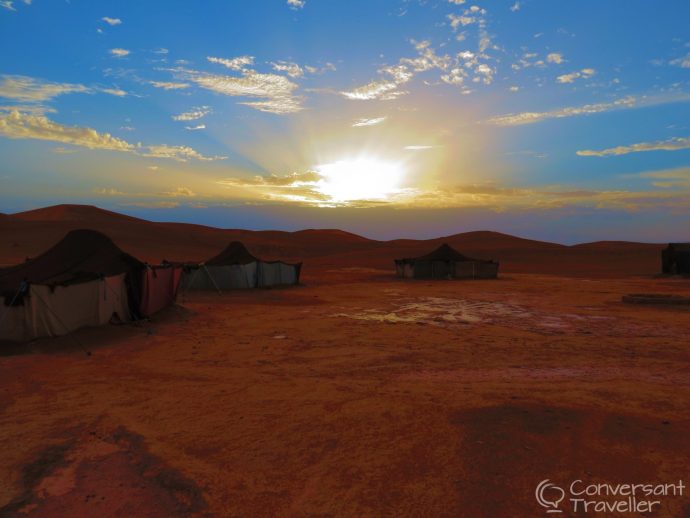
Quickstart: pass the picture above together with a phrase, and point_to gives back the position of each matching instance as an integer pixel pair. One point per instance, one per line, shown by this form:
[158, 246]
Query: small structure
[83, 280]
[445, 263]
[236, 268]
[675, 259]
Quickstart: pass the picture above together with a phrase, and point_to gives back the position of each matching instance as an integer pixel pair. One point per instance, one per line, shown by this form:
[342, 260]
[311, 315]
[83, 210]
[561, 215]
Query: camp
[445, 263]
[675, 258]
[83, 280]
[236, 268]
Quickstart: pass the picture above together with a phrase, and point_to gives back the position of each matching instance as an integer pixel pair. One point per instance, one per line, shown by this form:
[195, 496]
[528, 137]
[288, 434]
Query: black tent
[445, 263]
[675, 258]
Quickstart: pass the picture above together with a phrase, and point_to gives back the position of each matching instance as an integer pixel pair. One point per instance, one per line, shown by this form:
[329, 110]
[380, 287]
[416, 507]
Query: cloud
[194, 114]
[296, 4]
[400, 74]
[17, 125]
[291, 69]
[119, 53]
[555, 57]
[277, 91]
[28, 89]
[238, 63]
[195, 128]
[7, 4]
[585, 73]
[384, 90]
[178, 153]
[515, 7]
[672, 144]
[683, 62]
[368, 122]
[168, 85]
[108, 191]
[629, 102]
[180, 191]
[419, 148]
[111, 21]
[456, 2]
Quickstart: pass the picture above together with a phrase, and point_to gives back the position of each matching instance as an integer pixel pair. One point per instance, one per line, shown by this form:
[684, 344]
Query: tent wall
[159, 288]
[58, 310]
[234, 276]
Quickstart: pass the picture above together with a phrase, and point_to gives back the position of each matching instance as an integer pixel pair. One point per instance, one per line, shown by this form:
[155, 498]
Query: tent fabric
[81, 256]
[236, 268]
[445, 263]
[675, 258]
[159, 288]
[57, 310]
[234, 253]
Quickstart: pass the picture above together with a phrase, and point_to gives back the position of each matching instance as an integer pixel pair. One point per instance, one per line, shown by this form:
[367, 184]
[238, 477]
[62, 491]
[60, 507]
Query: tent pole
[212, 280]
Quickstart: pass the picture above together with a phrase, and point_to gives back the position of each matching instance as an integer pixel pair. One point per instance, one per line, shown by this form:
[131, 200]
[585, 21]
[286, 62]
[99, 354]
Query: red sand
[356, 395]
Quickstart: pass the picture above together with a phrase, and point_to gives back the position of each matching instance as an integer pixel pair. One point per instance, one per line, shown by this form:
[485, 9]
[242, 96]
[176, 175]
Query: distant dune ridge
[32, 232]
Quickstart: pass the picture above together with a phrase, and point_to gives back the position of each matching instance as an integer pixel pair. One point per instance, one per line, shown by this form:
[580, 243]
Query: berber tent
[445, 263]
[236, 268]
[675, 258]
[83, 280]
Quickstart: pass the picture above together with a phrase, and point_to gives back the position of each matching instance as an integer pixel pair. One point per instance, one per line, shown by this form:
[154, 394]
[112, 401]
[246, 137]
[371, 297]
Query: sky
[562, 120]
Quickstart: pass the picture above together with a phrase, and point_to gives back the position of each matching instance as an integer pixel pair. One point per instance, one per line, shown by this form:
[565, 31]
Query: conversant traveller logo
[593, 498]
[549, 496]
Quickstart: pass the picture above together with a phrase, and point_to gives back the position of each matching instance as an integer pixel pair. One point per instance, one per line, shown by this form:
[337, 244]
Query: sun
[360, 179]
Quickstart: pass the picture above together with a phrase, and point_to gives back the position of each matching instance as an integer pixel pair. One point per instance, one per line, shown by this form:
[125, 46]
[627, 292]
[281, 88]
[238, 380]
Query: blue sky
[561, 120]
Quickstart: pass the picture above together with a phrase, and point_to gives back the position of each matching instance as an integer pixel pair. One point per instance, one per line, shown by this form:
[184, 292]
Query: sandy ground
[355, 395]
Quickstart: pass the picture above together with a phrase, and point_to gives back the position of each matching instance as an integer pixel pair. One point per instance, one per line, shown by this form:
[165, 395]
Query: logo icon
[549, 496]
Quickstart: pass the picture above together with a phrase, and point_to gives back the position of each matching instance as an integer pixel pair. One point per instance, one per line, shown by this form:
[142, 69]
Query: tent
[236, 268]
[84, 280]
[445, 263]
[159, 286]
[675, 258]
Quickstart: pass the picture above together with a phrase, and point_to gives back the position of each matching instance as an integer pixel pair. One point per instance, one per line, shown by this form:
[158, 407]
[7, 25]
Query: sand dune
[29, 233]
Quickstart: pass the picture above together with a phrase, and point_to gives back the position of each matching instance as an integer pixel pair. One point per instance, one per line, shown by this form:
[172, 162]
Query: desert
[356, 393]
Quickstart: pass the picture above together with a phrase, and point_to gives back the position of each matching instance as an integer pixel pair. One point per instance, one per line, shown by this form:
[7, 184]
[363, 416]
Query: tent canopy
[234, 253]
[82, 255]
[445, 252]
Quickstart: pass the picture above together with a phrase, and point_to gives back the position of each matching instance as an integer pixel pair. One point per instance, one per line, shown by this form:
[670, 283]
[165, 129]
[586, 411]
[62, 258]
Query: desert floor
[357, 394]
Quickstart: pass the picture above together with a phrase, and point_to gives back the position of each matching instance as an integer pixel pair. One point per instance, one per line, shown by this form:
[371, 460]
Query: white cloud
[17, 125]
[683, 62]
[178, 153]
[194, 114]
[384, 90]
[555, 57]
[161, 50]
[629, 102]
[585, 73]
[515, 7]
[456, 2]
[291, 69]
[168, 85]
[238, 63]
[195, 128]
[672, 144]
[119, 53]
[296, 4]
[419, 148]
[368, 122]
[28, 89]
[111, 21]
[7, 4]
[277, 90]
[514, 88]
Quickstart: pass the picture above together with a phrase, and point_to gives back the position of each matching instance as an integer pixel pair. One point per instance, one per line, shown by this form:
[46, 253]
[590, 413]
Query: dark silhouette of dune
[32, 232]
